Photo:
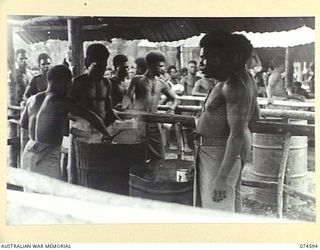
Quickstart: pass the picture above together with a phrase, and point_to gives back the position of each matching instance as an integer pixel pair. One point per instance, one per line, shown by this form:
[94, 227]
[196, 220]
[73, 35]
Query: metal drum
[158, 181]
[267, 153]
[106, 166]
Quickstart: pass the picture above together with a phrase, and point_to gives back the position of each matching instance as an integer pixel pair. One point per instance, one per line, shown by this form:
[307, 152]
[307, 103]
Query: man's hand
[119, 107]
[171, 110]
[106, 136]
[219, 191]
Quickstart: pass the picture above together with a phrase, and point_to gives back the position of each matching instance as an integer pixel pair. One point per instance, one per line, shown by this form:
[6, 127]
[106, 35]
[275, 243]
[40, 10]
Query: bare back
[29, 115]
[275, 87]
[51, 119]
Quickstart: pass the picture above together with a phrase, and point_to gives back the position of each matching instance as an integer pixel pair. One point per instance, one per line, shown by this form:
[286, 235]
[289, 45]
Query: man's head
[21, 58]
[183, 72]
[297, 84]
[121, 66]
[156, 62]
[277, 63]
[44, 61]
[172, 71]
[141, 65]
[131, 72]
[192, 67]
[223, 54]
[59, 79]
[96, 60]
[108, 72]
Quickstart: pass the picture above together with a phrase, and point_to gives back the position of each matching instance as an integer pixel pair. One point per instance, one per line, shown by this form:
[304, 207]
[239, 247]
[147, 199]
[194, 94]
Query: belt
[212, 141]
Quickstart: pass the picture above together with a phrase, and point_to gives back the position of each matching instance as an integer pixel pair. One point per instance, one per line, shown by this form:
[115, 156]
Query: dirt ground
[302, 212]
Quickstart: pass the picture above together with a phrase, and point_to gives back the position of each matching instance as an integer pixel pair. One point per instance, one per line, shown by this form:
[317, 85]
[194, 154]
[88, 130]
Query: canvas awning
[155, 29]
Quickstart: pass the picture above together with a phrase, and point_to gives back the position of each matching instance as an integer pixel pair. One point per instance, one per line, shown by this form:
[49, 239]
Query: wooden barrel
[267, 153]
[106, 166]
[158, 181]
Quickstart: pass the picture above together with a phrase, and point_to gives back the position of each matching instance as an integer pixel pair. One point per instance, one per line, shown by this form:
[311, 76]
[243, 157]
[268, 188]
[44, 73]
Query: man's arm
[292, 95]
[75, 90]
[170, 95]
[272, 81]
[91, 117]
[110, 116]
[30, 89]
[24, 119]
[237, 108]
[196, 89]
[128, 98]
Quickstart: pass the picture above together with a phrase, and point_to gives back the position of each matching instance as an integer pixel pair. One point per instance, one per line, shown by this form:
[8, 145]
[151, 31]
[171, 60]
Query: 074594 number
[310, 246]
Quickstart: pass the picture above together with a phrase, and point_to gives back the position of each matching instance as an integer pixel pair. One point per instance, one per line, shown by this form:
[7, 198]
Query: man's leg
[210, 158]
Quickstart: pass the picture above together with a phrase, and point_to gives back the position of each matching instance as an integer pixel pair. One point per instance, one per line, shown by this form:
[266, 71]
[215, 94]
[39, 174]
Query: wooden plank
[281, 128]
[14, 107]
[13, 121]
[296, 194]
[13, 141]
[295, 114]
[14, 117]
[282, 170]
[181, 108]
[287, 103]
[127, 207]
[185, 120]
[259, 184]
[261, 101]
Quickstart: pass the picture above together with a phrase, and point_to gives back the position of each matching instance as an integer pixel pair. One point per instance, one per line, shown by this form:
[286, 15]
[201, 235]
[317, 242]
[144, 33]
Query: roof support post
[289, 68]
[76, 42]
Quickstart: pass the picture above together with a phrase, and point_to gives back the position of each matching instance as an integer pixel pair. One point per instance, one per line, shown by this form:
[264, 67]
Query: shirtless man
[202, 86]
[92, 90]
[141, 66]
[223, 127]
[189, 80]
[276, 86]
[39, 82]
[173, 80]
[118, 82]
[45, 117]
[23, 75]
[147, 90]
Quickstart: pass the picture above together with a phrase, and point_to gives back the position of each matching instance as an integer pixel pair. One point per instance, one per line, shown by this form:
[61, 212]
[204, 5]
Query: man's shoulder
[139, 78]
[37, 77]
[80, 78]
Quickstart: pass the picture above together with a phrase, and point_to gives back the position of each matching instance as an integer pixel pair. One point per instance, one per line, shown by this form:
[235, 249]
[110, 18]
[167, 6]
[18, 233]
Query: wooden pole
[46, 185]
[184, 120]
[302, 196]
[281, 175]
[299, 69]
[280, 128]
[289, 68]
[179, 57]
[76, 41]
[24, 135]
[295, 114]
[12, 149]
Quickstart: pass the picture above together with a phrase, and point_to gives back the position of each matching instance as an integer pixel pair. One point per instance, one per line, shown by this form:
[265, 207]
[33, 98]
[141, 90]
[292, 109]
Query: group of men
[223, 135]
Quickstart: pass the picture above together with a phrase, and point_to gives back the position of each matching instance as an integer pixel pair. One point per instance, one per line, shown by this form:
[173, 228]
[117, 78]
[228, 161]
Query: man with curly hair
[223, 131]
